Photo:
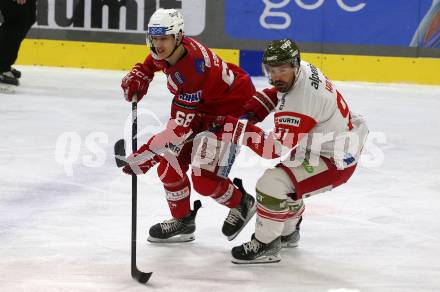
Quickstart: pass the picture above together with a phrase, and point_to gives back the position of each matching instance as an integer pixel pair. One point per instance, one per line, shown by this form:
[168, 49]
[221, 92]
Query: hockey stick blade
[120, 153]
[141, 277]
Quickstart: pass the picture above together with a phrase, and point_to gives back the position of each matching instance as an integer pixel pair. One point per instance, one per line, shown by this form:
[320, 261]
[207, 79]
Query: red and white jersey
[313, 117]
[202, 82]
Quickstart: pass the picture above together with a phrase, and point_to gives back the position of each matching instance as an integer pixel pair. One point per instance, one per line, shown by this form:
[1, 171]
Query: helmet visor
[275, 71]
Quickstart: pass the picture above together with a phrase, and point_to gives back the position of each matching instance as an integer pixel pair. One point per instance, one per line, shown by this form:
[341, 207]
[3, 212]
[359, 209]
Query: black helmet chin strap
[175, 48]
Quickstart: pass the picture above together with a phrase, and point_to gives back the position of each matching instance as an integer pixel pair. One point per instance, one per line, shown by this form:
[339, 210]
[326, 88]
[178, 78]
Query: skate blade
[7, 89]
[261, 260]
[249, 217]
[173, 239]
[289, 244]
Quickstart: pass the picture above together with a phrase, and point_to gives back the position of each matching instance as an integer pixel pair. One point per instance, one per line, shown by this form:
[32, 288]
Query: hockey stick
[138, 275]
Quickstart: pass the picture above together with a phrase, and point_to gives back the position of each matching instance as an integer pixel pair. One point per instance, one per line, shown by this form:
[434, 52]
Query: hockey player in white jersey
[314, 128]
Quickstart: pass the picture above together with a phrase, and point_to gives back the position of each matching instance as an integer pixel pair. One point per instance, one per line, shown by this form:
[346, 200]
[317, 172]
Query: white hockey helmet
[165, 22]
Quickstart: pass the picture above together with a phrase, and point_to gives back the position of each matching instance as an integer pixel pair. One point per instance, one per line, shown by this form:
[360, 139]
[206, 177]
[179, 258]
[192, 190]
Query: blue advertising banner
[355, 22]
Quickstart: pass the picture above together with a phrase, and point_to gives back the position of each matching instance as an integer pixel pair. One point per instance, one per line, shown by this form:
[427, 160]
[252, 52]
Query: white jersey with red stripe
[313, 117]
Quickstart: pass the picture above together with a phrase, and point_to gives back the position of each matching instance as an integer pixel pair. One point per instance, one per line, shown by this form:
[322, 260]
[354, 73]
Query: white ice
[66, 226]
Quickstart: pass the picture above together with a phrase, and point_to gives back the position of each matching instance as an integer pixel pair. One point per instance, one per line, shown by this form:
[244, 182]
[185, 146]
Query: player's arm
[171, 139]
[136, 82]
[142, 160]
[272, 144]
[261, 104]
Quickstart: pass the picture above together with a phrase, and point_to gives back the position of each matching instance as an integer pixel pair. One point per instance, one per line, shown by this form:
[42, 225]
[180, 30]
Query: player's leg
[232, 195]
[8, 45]
[290, 235]
[206, 157]
[272, 213]
[309, 180]
[273, 208]
[181, 226]
[17, 21]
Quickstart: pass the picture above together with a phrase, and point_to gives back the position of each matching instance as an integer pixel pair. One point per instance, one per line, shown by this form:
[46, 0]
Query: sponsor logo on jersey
[200, 66]
[190, 97]
[238, 131]
[178, 77]
[348, 159]
[328, 85]
[185, 106]
[307, 167]
[288, 120]
[216, 60]
[283, 102]
[315, 77]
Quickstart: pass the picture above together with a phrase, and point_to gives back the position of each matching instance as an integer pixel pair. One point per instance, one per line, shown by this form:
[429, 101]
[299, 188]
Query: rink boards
[115, 56]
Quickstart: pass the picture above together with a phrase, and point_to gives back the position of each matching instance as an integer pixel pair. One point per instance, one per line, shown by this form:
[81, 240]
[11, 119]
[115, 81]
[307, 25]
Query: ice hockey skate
[16, 73]
[8, 77]
[256, 252]
[238, 217]
[175, 230]
[8, 82]
[291, 240]
[7, 88]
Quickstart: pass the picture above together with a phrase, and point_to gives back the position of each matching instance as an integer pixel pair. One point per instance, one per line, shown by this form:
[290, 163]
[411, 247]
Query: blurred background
[378, 41]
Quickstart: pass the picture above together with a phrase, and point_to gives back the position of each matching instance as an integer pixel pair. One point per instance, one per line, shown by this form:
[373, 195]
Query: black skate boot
[8, 77]
[16, 73]
[292, 239]
[175, 230]
[239, 216]
[256, 252]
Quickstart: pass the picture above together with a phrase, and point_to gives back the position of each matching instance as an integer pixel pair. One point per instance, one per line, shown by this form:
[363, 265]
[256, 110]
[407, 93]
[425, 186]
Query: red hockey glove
[140, 165]
[136, 82]
[261, 104]
[171, 139]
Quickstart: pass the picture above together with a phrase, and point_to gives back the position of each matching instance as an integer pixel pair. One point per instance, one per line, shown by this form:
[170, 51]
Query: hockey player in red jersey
[204, 88]
[315, 129]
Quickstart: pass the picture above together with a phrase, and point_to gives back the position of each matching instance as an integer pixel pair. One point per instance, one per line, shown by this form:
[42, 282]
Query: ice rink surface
[65, 208]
